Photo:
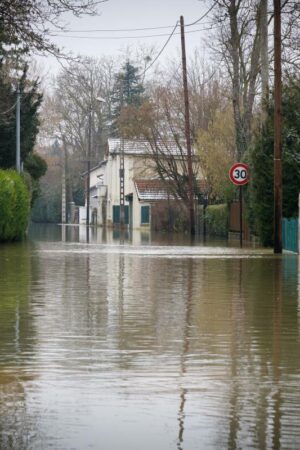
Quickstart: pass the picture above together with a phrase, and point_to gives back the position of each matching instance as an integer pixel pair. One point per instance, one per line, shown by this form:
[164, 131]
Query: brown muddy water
[151, 344]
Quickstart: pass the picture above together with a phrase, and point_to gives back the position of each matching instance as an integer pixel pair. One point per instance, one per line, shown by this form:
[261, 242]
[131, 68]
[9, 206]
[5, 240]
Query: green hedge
[14, 206]
[217, 218]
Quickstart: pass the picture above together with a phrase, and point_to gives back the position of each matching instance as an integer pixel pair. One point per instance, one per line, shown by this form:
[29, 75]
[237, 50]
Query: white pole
[18, 133]
[299, 225]
[63, 187]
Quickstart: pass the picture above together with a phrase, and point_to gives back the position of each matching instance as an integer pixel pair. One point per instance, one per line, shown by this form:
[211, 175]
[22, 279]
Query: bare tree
[27, 24]
[161, 125]
[77, 93]
[160, 121]
[291, 36]
[242, 47]
[216, 149]
[238, 47]
[71, 110]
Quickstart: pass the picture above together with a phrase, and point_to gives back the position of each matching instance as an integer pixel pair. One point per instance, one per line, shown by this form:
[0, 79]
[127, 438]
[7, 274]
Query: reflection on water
[132, 343]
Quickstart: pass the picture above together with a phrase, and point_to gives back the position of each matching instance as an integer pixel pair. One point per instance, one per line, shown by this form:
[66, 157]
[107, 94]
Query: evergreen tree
[29, 122]
[128, 91]
[261, 162]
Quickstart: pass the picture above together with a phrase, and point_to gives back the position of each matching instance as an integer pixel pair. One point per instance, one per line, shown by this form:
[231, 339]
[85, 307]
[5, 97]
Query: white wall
[113, 182]
[82, 215]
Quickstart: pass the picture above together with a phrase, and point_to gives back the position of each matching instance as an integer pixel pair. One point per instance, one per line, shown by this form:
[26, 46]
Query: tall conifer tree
[128, 91]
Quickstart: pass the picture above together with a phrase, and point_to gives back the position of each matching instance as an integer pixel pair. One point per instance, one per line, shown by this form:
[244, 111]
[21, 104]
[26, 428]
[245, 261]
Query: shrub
[35, 165]
[47, 207]
[261, 192]
[217, 217]
[14, 206]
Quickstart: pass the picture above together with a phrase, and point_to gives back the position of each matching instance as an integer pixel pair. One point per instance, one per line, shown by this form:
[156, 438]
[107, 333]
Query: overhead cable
[118, 30]
[202, 17]
[131, 37]
[160, 52]
[139, 29]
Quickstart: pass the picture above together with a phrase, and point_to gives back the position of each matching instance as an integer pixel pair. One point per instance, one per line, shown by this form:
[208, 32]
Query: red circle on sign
[239, 174]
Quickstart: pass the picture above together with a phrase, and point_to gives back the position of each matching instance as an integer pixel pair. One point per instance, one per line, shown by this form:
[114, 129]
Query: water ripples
[127, 347]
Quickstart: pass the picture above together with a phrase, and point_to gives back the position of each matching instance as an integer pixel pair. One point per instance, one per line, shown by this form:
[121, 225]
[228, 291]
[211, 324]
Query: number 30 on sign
[239, 174]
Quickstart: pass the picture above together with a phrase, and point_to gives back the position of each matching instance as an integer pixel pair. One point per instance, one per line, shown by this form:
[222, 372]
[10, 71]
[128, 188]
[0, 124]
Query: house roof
[156, 189]
[152, 190]
[140, 147]
[130, 147]
[100, 164]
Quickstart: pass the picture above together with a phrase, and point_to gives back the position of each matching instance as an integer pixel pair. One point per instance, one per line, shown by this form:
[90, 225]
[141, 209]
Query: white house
[143, 190]
[98, 190]
[137, 164]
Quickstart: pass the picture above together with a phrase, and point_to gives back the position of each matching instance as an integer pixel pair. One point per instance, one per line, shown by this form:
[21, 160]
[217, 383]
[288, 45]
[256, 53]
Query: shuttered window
[145, 214]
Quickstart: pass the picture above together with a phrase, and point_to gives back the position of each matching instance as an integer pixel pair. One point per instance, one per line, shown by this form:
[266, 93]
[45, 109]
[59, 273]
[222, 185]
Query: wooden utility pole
[187, 131]
[264, 57]
[277, 130]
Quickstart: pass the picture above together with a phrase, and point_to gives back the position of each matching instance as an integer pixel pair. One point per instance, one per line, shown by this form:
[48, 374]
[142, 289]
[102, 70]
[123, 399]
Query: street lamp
[18, 132]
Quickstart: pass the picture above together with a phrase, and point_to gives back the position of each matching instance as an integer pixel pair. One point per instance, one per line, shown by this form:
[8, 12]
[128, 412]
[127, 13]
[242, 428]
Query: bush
[261, 193]
[14, 206]
[47, 207]
[35, 165]
[217, 218]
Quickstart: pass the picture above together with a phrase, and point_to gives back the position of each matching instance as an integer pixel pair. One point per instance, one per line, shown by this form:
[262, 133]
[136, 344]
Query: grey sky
[133, 14]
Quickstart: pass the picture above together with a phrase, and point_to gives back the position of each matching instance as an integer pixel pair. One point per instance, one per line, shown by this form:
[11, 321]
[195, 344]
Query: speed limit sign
[239, 174]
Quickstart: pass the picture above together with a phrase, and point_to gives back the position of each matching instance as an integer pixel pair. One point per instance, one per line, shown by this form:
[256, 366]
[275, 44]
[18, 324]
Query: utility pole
[122, 168]
[63, 185]
[18, 130]
[122, 185]
[88, 179]
[187, 131]
[277, 130]
[264, 57]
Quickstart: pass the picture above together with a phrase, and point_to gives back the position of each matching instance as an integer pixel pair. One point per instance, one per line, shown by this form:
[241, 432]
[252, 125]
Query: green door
[116, 214]
[290, 235]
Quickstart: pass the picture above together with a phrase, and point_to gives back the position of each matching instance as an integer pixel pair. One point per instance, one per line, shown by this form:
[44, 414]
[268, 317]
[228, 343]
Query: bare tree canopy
[242, 45]
[26, 24]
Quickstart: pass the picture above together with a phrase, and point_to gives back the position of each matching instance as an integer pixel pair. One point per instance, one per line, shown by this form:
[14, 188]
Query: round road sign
[239, 174]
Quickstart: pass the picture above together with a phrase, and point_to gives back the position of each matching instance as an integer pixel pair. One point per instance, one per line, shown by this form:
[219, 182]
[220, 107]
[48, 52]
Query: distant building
[145, 194]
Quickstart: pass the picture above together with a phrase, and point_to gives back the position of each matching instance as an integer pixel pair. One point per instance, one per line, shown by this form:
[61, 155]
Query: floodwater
[147, 344]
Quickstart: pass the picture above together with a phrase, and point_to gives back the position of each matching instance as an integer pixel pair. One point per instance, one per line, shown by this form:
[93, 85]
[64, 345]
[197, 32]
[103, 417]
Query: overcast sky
[131, 15]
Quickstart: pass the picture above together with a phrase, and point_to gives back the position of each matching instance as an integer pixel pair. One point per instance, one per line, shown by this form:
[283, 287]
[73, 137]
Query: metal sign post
[239, 175]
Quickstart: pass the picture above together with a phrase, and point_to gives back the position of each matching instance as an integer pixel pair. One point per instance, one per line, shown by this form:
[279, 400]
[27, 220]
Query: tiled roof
[152, 190]
[155, 189]
[139, 147]
[134, 147]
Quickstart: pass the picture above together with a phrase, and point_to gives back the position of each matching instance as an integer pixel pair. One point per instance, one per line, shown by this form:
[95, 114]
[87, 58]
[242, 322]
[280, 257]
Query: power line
[160, 52]
[202, 17]
[132, 37]
[147, 36]
[139, 29]
[115, 30]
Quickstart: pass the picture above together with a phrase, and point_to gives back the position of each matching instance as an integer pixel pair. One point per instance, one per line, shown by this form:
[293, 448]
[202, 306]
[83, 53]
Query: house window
[145, 215]
[116, 214]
